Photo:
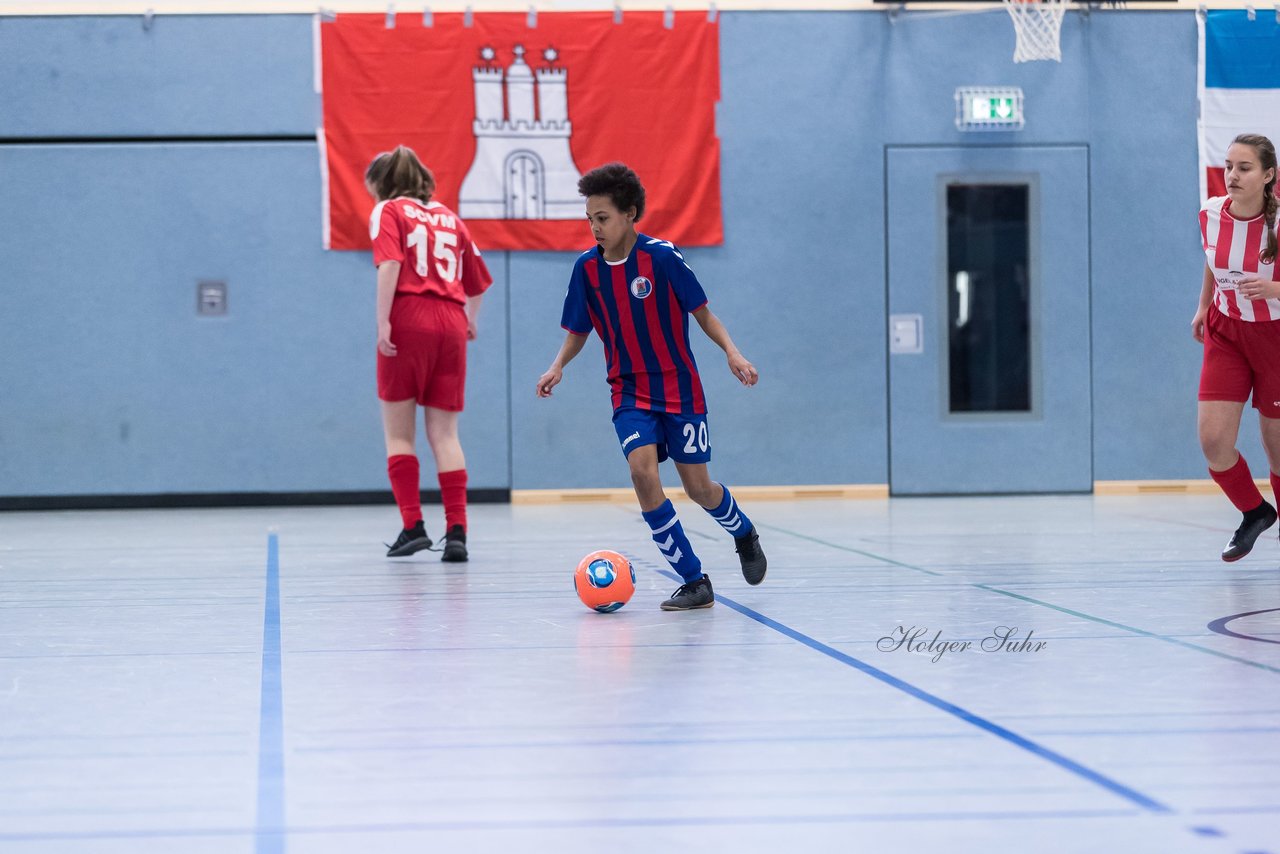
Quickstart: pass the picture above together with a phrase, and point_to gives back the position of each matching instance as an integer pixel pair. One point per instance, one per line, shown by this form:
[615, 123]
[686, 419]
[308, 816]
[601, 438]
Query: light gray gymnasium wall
[109, 383]
[1147, 261]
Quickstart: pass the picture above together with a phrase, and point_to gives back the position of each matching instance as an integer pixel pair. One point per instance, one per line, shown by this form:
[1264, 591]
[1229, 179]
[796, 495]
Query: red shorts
[430, 365]
[1241, 356]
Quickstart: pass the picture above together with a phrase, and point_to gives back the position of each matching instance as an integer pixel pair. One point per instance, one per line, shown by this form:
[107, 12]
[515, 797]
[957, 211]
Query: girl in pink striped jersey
[1238, 321]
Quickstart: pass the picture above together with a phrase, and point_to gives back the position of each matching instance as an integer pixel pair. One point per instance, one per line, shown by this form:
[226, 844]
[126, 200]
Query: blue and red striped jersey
[640, 309]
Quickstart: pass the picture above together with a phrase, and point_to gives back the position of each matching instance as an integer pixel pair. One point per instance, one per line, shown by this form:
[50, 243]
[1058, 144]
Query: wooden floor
[265, 680]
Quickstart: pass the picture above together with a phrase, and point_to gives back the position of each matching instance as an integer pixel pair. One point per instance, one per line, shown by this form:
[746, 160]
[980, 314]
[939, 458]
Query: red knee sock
[1238, 484]
[453, 492]
[402, 469]
[1275, 486]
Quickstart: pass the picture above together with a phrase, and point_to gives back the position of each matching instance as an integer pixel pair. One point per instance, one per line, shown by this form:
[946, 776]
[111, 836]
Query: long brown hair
[1267, 160]
[400, 173]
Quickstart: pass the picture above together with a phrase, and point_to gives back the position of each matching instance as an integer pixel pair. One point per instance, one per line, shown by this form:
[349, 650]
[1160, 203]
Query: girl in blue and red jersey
[637, 293]
[1238, 321]
[430, 281]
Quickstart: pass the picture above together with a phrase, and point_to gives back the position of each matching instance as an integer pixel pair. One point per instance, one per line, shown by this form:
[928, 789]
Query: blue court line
[1208, 831]
[1237, 810]
[402, 746]
[871, 555]
[1143, 632]
[1071, 766]
[149, 755]
[1220, 626]
[591, 743]
[992, 589]
[60, 655]
[119, 605]
[581, 823]
[269, 830]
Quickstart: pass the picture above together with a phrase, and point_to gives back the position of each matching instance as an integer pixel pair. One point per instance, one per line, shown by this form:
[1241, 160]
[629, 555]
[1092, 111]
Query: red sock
[1275, 486]
[453, 492]
[402, 469]
[1238, 484]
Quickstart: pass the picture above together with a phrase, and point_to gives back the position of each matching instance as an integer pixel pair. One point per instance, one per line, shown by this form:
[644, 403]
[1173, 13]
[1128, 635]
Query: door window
[988, 298]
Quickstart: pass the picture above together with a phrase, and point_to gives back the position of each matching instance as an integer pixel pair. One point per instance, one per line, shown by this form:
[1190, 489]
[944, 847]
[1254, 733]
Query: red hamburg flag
[509, 117]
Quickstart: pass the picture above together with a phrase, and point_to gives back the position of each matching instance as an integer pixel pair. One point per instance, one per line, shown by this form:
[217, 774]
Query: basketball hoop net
[1037, 24]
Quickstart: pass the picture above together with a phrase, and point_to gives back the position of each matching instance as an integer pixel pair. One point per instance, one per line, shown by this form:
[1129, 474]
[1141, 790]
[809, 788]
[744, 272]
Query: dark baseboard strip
[197, 139]
[230, 499]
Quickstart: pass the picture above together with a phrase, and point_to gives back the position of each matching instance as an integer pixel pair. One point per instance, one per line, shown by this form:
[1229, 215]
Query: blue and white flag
[1239, 85]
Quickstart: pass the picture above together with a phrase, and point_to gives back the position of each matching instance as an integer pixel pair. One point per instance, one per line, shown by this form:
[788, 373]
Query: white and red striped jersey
[436, 253]
[1231, 247]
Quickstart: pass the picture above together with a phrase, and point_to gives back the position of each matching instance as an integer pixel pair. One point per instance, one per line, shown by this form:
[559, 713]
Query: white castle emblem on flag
[523, 167]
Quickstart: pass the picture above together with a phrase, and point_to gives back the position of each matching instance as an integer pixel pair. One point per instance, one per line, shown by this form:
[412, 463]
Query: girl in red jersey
[1238, 321]
[430, 281]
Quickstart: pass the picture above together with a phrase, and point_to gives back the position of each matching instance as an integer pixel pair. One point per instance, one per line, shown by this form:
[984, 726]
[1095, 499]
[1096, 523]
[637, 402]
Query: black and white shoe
[411, 540]
[455, 545]
[1251, 527]
[695, 594]
[751, 557]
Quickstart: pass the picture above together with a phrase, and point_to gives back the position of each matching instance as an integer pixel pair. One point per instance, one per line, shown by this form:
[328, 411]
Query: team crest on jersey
[641, 287]
[1231, 281]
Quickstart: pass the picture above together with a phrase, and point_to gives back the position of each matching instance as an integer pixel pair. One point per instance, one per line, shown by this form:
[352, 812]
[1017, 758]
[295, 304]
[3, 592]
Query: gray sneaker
[1251, 527]
[751, 557]
[410, 541]
[695, 594]
[455, 545]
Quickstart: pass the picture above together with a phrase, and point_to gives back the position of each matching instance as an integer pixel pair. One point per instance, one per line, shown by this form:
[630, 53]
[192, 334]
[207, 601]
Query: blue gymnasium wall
[110, 383]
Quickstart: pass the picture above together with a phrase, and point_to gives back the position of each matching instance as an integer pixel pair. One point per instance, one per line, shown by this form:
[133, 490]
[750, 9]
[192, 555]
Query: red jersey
[436, 253]
[1232, 248]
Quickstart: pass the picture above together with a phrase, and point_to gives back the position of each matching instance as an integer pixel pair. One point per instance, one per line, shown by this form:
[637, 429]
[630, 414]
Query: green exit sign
[986, 109]
[989, 108]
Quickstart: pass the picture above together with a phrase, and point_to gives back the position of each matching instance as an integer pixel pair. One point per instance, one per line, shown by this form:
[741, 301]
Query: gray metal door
[988, 280]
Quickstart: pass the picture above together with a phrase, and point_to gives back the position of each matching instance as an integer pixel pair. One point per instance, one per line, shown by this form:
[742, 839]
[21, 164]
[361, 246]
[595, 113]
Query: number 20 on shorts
[698, 434]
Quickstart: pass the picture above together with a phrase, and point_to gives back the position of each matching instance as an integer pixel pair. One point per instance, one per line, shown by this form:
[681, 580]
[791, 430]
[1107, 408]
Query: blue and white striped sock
[668, 533]
[730, 516]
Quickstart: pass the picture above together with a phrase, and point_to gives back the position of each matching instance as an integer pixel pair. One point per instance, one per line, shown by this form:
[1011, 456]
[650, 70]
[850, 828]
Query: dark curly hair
[619, 183]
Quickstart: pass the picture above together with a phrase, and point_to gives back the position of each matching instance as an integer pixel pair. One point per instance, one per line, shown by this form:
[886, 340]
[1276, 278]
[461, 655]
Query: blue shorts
[683, 438]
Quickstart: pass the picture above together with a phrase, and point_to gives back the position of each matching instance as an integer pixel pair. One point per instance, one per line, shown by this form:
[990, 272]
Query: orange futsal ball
[604, 581]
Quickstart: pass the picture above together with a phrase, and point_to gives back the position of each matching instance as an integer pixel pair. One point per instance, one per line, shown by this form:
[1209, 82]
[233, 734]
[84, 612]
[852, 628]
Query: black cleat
[1251, 527]
[695, 594]
[455, 545]
[411, 540]
[751, 557]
